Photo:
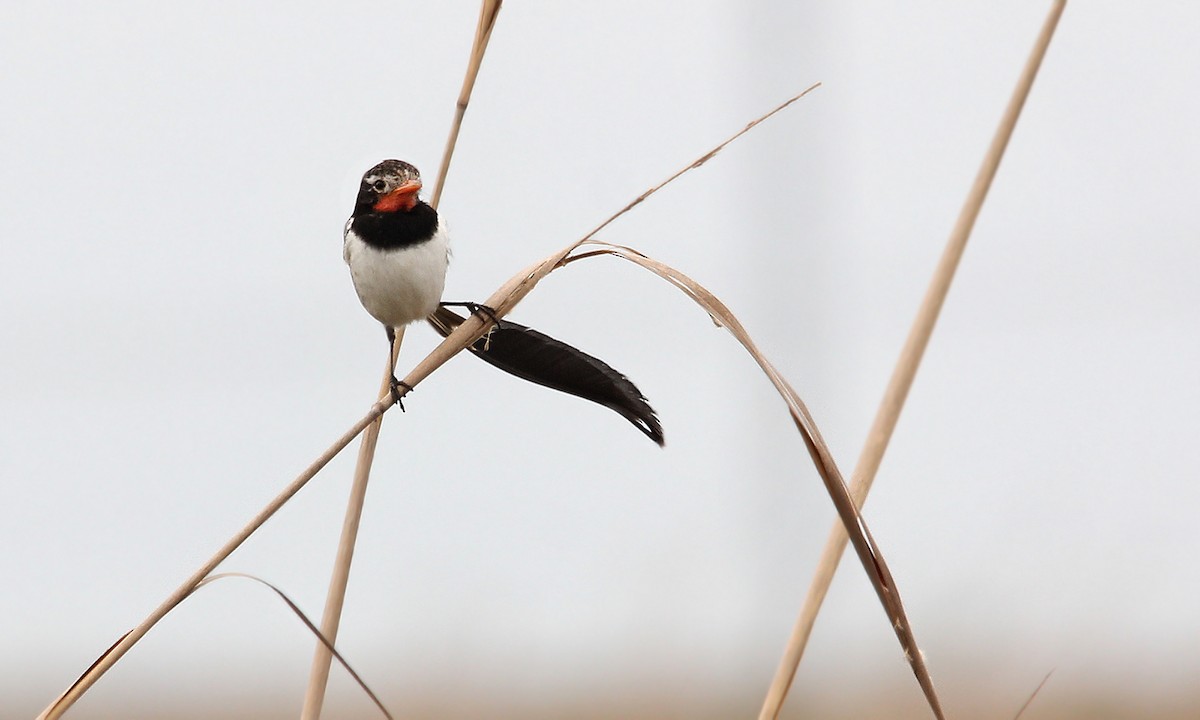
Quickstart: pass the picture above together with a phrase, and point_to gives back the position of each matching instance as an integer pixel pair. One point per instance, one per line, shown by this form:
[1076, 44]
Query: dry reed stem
[483, 33]
[318, 680]
[697, 162]
[473, 328]
[868, 550]
[905, 370]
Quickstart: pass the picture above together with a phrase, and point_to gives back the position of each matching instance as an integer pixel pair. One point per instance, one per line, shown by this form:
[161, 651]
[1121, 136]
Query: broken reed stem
[905, 370]
[318, 680]
[331, 620]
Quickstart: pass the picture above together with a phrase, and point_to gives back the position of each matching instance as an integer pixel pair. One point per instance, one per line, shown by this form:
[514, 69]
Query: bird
[398, 251]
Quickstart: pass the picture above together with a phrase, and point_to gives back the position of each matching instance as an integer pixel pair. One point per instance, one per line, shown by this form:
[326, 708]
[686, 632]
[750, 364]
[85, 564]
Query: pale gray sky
[181, 338]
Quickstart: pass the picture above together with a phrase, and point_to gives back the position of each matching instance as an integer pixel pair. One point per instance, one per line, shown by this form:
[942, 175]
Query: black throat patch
[394, 230]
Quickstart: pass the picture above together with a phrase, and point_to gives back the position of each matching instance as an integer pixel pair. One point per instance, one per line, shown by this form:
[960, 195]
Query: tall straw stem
[906, 369]
[318, 679]
[331, 620]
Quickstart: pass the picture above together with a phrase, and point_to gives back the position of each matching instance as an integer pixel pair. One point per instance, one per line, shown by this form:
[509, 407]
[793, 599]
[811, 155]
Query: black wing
[539, 358]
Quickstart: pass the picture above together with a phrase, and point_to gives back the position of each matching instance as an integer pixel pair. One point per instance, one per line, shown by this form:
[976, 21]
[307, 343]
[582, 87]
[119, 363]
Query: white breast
[398, 286]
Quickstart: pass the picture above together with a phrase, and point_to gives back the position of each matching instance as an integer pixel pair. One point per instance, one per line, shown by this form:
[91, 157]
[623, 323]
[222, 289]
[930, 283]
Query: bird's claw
[394, 386]
[476, 309]
[484, 311]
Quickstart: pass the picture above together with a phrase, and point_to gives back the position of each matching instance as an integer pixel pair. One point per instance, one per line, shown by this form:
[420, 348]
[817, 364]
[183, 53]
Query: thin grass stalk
[906, 368]
[488, 12]
[697, 162]
[512, 292]
[318, 680]
[1033, 696]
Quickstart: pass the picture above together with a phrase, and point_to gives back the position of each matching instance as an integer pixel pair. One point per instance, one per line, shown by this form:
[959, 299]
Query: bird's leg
[394, 385]
[482, 311]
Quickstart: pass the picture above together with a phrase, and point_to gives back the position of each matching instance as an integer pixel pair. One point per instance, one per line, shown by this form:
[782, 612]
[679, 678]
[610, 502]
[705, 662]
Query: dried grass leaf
[311, 628]
[860, 536]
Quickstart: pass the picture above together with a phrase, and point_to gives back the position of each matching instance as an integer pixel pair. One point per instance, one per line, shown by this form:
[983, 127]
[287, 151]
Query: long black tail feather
[539, 358]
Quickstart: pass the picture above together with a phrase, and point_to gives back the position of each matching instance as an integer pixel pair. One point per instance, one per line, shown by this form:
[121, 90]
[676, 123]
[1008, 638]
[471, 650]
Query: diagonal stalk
[905, 370]
[318, 678]
[458, 340]
[64, 701]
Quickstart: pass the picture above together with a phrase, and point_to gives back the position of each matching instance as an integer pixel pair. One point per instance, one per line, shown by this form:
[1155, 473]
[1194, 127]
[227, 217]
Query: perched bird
[396, 248]
[398, 252]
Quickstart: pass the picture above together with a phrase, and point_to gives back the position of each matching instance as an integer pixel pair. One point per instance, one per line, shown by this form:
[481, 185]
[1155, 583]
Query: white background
[180, 337]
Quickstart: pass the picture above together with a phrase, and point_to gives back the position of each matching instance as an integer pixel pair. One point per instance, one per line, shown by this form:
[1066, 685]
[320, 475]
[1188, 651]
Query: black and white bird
[398, 252]
[396, 248]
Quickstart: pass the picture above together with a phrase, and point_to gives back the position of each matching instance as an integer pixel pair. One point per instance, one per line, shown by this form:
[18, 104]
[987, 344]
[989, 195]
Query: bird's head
[390, 186]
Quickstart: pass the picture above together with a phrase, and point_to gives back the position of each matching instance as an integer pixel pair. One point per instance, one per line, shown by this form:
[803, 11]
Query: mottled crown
[395, 170]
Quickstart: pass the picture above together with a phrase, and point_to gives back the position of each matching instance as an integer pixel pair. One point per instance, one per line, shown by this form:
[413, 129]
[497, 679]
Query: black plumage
[539, 358]
[395, 230]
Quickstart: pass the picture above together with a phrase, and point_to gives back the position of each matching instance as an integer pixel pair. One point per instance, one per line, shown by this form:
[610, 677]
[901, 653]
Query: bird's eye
[379, 185]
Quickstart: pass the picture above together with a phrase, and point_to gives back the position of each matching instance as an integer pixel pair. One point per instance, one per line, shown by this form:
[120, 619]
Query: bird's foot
[476, 309]
[395, 386]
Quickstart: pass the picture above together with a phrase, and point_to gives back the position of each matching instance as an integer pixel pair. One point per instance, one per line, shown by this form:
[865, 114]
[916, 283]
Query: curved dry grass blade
[311, 627]
[868, 550]
[1033, 695]
[905, 371]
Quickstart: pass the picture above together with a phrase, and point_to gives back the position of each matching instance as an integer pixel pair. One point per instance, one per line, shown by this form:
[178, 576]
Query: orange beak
[402, 198]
